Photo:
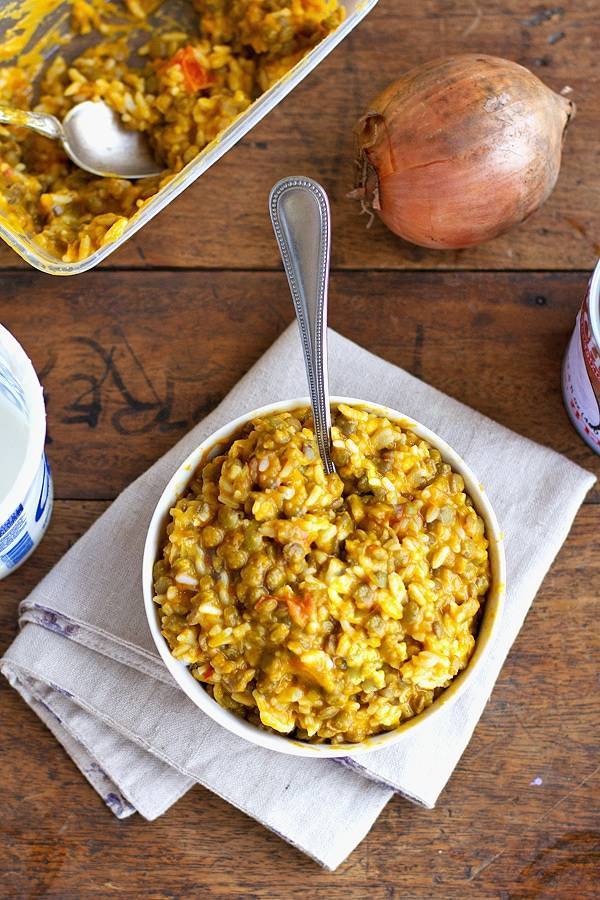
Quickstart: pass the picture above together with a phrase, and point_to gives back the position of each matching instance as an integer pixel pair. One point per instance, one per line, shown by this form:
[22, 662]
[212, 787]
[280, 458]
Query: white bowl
[280, 743]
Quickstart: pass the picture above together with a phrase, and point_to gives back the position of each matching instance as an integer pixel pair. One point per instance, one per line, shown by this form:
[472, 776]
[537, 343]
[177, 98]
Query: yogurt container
[25, 481]
[581, 368]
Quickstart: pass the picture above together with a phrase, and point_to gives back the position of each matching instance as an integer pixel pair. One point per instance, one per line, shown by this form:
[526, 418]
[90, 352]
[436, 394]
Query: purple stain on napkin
[95, 769]
[49, 710]
[114, 803]
[52, 622]
[118, 805]
[60, 690]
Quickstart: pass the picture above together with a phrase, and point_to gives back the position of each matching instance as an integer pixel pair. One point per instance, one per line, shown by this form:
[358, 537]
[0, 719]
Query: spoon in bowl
[301, 220]
[93, 137]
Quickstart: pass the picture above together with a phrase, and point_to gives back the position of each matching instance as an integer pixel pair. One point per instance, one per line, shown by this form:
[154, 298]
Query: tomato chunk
[300, 608]
[195, 76]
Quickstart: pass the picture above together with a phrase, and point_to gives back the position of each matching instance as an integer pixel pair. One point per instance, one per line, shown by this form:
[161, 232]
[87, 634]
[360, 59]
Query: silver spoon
[300, 215]
[94, 137]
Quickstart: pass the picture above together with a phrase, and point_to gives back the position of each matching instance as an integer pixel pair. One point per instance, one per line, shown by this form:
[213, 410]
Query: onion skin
[460, 149]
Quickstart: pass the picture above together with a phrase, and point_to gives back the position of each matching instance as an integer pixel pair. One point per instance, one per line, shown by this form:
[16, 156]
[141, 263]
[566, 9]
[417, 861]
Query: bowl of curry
[322, 615]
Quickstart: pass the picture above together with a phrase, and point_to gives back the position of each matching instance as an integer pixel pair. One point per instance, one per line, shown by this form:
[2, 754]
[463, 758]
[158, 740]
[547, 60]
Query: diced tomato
[300, 608]
[195, 75]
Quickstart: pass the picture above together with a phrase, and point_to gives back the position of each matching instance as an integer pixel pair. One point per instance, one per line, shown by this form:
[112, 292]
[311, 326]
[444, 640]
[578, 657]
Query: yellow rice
[241, 46]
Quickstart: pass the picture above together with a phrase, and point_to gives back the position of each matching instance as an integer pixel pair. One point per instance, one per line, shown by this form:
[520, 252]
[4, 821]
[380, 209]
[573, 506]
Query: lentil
[358, 603]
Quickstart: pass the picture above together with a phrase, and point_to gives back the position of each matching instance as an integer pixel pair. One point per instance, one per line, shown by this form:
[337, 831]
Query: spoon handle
[300, 215]
[43, 123]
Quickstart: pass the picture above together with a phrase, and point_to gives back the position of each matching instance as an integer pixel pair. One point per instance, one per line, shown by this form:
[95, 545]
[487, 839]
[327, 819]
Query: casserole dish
[25, 39]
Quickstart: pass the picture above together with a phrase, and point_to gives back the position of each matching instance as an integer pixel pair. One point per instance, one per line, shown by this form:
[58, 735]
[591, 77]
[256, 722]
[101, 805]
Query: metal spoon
[94, 137]
[300, 215]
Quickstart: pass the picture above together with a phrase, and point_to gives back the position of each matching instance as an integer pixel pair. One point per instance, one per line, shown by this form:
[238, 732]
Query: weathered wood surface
[220, 222]
[519, 818]
[131, 360]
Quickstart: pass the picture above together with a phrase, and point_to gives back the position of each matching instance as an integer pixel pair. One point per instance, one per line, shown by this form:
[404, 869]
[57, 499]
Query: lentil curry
[324, 607]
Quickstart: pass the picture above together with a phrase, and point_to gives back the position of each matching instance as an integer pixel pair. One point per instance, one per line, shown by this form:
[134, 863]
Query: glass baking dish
[17, 12]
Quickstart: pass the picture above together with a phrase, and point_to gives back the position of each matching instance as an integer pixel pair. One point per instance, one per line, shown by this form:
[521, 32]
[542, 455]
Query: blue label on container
[18, 551]
[12, 528]
[11, 520]
[45, 491]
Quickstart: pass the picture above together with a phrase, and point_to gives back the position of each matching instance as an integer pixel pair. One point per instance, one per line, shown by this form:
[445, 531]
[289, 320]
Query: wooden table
[133, 354]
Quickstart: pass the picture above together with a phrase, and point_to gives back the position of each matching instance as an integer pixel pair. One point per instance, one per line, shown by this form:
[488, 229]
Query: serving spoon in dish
[301, 220]
[93, 137]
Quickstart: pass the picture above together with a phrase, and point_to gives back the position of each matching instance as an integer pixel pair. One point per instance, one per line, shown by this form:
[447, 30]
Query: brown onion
[460, 149]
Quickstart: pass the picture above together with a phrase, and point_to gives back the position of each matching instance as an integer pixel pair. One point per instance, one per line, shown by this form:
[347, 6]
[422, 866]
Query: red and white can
[581, 368]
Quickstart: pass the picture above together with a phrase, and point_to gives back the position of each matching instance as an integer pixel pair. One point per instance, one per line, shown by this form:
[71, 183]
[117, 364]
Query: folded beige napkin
[85, 661]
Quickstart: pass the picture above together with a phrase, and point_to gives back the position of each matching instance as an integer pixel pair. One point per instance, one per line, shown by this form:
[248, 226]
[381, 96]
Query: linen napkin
[85, 662]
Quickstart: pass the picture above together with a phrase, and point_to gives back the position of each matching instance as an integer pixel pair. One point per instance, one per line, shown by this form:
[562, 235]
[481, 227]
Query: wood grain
[221, 221]
[130, 361]
[519, 818]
